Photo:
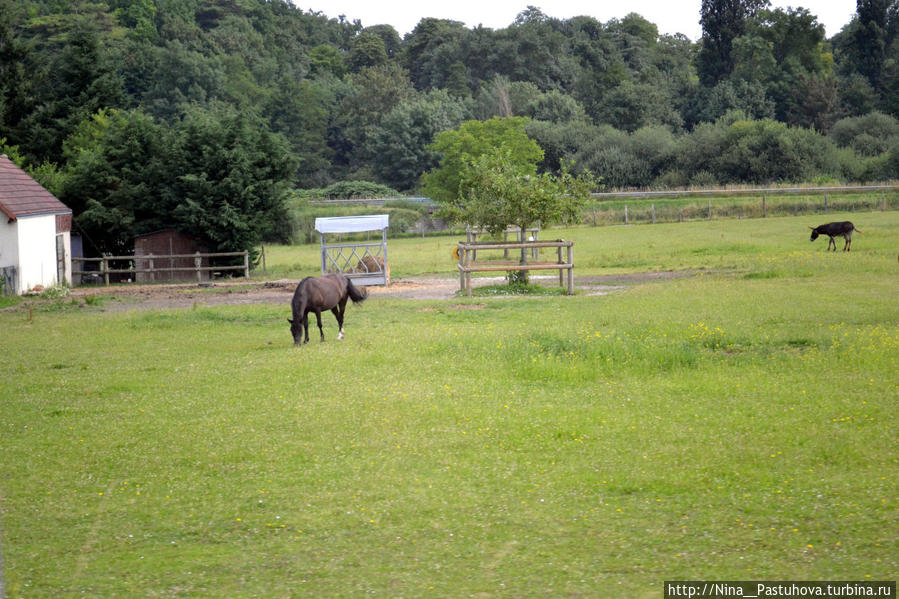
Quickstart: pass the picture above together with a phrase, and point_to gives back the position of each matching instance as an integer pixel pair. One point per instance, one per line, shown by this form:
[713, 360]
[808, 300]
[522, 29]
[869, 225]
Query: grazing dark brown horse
[840, 229]
[329, 292]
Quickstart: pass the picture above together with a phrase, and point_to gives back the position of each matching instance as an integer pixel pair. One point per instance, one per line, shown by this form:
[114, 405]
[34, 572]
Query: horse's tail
[356, 294]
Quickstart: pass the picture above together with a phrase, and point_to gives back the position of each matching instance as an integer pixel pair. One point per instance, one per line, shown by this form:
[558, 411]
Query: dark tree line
[199, 114]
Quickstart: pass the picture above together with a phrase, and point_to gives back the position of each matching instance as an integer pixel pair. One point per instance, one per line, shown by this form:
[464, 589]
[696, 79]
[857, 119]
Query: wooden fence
[468, 264]
[106, 265]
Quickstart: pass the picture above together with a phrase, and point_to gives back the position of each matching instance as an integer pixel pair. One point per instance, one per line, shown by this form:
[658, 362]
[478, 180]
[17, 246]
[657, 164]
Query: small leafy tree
[496, 193]
[471, 140]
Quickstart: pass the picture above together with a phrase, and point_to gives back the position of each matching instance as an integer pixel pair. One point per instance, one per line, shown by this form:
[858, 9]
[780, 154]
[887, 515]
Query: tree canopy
[496, 193]
[101, 99]
[458, 148]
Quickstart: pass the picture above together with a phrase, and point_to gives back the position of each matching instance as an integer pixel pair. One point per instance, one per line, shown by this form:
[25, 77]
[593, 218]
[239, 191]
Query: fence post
[710, 209]
[468, 260]
[559, 252]
[571, 269]
[625, 215]
[653, 210]
[246, 264]
[197, 263]
[104, 266]
[883, 201]
[152, 271]
[594, 216]
[764, 206]
[825, 202]
[461, 256]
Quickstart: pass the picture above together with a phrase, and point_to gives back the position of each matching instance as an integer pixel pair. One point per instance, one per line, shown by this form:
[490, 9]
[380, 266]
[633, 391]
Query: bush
[345, 190]
[867, 135]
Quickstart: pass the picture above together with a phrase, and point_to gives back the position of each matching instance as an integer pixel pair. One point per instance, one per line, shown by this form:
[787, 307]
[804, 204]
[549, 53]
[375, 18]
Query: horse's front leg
[306, 327]
[338, 314]
[318, 317]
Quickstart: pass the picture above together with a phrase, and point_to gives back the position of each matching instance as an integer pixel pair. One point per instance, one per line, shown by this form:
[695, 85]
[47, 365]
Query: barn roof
[20, 195]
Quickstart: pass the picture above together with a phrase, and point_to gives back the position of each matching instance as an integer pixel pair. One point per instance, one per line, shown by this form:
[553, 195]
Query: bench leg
[570, 271]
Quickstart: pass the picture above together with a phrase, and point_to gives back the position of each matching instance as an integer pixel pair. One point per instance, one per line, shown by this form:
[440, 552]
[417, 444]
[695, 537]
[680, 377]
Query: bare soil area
[187, 295]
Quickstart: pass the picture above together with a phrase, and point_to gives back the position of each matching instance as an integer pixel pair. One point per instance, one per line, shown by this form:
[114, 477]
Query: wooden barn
[172, 253]
[35, 233]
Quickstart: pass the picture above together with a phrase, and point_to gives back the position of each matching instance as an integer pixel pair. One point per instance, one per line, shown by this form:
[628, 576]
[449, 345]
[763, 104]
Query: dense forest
[201, 114]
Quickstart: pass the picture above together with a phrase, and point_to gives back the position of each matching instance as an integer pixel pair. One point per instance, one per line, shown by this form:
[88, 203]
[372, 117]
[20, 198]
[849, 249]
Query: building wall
[9, 255]
[67, 258]
[37, 252]
[64, 232]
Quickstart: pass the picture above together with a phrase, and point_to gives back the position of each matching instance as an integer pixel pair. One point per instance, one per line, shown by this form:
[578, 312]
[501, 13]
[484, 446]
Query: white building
[35, 241]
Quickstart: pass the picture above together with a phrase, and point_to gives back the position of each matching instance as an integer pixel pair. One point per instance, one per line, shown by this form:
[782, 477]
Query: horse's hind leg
[847, 247]
[318, 317]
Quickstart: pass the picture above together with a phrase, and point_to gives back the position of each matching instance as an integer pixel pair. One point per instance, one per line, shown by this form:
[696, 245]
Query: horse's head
[814, 233]
[296, 329]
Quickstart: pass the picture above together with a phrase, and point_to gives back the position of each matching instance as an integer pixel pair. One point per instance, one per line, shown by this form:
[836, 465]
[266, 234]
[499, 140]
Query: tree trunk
[521, 276]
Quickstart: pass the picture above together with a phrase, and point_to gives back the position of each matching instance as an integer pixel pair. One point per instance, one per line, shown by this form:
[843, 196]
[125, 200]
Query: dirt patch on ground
[188, 295]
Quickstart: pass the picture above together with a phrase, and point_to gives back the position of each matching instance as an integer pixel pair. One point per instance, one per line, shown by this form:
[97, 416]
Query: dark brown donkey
[843, 229]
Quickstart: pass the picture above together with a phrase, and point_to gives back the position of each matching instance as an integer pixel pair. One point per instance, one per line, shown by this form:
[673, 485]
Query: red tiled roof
[20, 195]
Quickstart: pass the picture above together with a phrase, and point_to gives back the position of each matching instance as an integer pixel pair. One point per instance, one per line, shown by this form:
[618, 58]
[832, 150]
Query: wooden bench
[467, 264]
[472, 234]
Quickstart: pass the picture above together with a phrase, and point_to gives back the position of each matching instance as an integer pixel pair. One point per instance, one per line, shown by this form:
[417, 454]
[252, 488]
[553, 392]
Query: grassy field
[678, 208]
[771, 245]
[736, 424]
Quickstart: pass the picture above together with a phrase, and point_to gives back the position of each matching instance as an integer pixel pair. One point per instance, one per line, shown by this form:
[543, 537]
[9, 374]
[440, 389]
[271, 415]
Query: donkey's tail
[356, 294]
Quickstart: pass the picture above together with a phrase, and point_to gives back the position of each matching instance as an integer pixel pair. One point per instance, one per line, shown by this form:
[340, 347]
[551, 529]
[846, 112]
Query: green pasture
[735, 423]
[774, 245]
[686, 207]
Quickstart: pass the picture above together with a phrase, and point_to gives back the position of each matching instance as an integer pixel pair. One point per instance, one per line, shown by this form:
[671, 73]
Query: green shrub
[345, 190]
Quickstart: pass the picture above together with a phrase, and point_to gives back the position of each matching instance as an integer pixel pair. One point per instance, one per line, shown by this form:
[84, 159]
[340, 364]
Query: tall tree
[299, 110]
[368, 51]
[15, 98]
[374, 92]
[118, 182]
[431, 49]
[401, 152]
[232, 179]
[816, 103]
[872, 37]
[82, 79]
[722, 22]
